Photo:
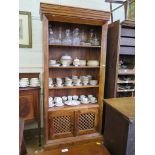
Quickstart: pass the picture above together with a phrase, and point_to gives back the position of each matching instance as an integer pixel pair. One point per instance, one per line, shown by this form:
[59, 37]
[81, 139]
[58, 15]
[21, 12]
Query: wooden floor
[85, 149]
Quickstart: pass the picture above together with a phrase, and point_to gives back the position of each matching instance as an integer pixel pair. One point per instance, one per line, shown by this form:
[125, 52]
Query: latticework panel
[60, 124]
[87, 121]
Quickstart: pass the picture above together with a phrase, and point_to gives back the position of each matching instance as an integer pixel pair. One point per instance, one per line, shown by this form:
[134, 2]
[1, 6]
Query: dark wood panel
[80, 53]
[61, 92]
[120, 139]
[112, 59]
[29, 75]
[73, 72]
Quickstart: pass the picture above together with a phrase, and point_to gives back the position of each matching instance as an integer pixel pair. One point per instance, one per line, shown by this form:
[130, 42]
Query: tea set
[25, 82]
[67, 60]
[71, 100]
[72, 81]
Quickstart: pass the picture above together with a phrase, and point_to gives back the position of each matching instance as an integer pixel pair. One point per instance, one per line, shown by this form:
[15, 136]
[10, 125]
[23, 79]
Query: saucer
[24, 86]
[54, 65]
[72, 103]
[93, 101]
[78, 84]
[51, 105]
[84, 102]
[34, 85]
[68, 85]
[59, 105]
[59, 85]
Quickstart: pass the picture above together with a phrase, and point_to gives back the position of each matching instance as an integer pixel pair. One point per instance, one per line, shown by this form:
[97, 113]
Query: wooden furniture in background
[22, 146]
[120, 46]
[119, 130]
[29, 102]
[68, 125]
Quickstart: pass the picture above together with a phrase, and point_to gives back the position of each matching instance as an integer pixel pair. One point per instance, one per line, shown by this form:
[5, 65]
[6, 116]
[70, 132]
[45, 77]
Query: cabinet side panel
[115, 131]
[45, 44]
[112, 59]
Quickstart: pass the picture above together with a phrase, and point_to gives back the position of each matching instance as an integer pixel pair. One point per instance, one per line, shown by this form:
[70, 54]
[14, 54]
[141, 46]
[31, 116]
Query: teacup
[69, 98]
[52, 62]
[84, 100]
[58, 99]
[50, 99]
[82, 96]
[75, 97]
[92, 99]
[64, 98]
[89, 96]
[51, 104]
[89, 77]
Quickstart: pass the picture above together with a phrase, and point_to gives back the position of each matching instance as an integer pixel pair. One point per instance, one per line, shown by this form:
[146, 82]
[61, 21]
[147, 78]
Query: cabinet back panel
[62, 73]
[67, 92]
[80, 53]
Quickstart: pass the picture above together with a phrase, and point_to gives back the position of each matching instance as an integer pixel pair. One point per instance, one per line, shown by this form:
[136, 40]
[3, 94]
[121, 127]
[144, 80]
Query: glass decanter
[95, 41]
[51, 36]
[67, 40]
[76, 37]
[59, 37]
[91, 40]
[83, 38]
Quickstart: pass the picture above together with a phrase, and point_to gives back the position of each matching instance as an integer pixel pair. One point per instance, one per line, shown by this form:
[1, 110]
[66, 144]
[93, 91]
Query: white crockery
[69, 98]
[93, 82]
[93, 63]
[76, 62]
[75, 97]
[82, 62]
[52, 62]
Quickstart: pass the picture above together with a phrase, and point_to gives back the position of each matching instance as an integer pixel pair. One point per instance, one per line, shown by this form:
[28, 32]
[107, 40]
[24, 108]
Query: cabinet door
[86, 121]
[26, 110]
[61, 124]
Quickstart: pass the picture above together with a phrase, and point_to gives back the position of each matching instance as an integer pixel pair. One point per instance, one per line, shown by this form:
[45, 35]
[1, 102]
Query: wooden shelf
[126, 71]
[126, 90]
[80, 46]
[73, 87]
[74, 67]
[121, 81]
[67, 107]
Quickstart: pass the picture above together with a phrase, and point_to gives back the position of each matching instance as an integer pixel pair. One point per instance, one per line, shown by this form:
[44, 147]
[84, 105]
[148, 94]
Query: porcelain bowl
[66, 62]
[93, 82]
[93, 63]
[82, 62]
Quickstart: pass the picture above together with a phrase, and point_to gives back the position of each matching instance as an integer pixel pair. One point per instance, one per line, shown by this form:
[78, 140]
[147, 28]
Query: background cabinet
[119, 130]
[71, 124]
[29, 102]
[120, 62]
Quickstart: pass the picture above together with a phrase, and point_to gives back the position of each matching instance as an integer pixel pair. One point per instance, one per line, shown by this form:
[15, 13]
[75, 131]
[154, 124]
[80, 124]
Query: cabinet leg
[39, 132]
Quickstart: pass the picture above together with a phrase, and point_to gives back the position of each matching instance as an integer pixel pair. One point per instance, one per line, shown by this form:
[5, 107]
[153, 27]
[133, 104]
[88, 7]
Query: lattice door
[86, 121]
[61, 124]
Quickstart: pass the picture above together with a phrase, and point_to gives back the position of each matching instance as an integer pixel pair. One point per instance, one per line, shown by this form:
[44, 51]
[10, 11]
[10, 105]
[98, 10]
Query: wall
[31, 59]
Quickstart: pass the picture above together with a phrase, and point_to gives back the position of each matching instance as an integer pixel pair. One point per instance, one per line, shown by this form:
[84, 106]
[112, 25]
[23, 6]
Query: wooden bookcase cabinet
[68, 123]
[120, 47]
